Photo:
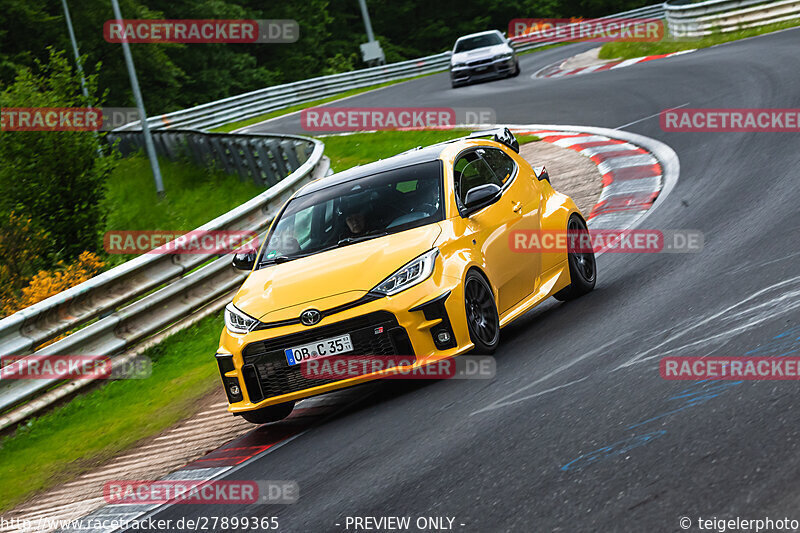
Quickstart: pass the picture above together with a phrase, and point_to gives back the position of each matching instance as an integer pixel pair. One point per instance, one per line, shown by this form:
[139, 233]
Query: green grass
[193, 196]
[285, 111]
[346, 151]
[628, 50]
[96, 425]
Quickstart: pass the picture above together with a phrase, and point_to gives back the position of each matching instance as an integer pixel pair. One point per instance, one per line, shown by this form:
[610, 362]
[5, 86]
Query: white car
[481, 56]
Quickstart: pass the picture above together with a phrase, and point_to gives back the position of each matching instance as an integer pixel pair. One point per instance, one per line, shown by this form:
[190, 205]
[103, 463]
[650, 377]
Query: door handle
[516, 207]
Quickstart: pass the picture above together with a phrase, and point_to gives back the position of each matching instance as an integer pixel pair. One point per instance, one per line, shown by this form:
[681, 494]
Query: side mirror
[244, 260]
[480, 195]
[541, 173]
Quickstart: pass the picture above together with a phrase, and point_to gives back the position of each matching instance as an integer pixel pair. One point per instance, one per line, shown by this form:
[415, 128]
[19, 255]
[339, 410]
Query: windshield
[357, 210]
[479, 41]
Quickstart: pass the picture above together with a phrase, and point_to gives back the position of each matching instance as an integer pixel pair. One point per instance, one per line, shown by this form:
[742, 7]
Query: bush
[47, 283]
[54, 179]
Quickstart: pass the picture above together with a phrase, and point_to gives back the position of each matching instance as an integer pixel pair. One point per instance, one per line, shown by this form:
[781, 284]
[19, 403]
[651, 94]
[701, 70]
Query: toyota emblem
[309, 317]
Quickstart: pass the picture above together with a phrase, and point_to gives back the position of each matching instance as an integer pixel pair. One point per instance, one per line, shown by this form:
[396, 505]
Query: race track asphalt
[578, 432]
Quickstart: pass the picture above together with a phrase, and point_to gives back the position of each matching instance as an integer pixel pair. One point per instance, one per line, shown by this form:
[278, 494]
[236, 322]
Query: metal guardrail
[265, 160]
[704, 18]
[121, 307]
[263, 101]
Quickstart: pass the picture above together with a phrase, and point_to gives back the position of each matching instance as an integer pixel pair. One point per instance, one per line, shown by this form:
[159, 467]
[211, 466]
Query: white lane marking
[502, 402]
[762, 312]
[649, 116]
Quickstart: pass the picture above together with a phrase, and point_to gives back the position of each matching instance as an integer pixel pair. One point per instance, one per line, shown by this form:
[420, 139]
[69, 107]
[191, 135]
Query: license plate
[318, 350]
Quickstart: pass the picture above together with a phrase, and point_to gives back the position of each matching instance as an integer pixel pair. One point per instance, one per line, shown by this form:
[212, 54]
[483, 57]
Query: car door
[512, 273]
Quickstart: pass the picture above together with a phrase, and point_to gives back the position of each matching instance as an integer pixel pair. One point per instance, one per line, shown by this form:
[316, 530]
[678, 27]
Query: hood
[481, 53]
[331, 278]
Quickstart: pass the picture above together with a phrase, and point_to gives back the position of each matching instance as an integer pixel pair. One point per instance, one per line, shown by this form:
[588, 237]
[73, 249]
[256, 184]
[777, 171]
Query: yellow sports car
[408, 256]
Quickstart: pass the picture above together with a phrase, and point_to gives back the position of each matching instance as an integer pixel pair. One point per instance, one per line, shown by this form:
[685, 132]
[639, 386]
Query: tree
[54, 178]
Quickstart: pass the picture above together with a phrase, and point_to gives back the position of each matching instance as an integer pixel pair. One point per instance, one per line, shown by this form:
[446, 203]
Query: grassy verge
[193, 196]
[620, 50]
[96, 425]
[347, 151]
[280, 112]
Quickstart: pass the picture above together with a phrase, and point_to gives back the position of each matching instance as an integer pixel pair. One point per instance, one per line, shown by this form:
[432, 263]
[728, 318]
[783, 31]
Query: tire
[582, 266]
[271, 413]
[483, 321]
[516, 70]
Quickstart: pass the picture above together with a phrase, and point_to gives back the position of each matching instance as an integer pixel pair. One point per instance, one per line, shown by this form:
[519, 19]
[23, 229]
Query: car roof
[476, 34]
[405, 159]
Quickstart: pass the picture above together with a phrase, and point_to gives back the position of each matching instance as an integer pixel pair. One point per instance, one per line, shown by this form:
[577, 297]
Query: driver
[427, 196]
[356, 223]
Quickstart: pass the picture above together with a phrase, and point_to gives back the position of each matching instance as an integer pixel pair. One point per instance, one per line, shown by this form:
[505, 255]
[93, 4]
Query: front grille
[479, 62]
[266, 372]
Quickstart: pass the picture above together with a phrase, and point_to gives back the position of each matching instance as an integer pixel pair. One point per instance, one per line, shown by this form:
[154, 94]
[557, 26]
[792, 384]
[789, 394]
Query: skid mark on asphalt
[650, 116]
[506, 400]
[781, 298]
[745, 268]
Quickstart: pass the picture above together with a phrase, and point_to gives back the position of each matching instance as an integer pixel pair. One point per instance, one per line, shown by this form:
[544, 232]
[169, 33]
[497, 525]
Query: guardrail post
[291, 154]
[280, 163]
[255, 171]
[266, 164]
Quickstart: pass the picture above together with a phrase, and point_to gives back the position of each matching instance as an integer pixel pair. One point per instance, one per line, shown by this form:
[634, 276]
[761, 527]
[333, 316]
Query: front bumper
[477, 72]
[255, 372]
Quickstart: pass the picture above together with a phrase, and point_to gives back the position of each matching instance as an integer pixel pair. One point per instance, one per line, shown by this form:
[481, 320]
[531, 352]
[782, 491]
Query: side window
[471, 171]
[504, 167]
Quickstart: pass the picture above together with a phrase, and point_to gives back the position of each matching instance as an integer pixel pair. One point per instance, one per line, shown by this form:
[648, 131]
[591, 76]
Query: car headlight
[237, 321]
[457, 65]
[412, 273]
[504, 57]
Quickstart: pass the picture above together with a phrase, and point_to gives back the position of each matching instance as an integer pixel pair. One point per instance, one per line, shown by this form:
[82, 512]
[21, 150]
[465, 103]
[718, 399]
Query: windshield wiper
[278, 259]
[358, 238]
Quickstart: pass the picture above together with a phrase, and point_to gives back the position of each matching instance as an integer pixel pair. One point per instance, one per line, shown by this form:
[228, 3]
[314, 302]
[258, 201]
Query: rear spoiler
[501, 135]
